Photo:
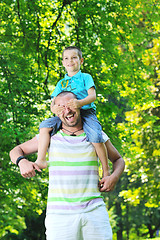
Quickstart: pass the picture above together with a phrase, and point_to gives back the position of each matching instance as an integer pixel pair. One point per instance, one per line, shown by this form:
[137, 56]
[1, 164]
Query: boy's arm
[74, 103]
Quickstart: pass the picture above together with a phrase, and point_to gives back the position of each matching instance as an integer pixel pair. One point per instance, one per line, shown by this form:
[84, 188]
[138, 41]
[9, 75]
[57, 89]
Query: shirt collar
[77, 75]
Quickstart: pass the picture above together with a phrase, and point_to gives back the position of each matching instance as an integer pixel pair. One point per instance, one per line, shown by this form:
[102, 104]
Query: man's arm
[118, 168]
[27, 168]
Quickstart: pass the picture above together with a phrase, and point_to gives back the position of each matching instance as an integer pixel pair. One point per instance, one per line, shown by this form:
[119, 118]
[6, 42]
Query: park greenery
[121, 49]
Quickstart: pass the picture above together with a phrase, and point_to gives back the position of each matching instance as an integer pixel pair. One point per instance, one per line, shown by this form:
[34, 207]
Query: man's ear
[82, 60]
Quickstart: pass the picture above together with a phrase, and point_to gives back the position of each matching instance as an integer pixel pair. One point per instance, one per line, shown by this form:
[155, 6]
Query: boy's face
[72, 62]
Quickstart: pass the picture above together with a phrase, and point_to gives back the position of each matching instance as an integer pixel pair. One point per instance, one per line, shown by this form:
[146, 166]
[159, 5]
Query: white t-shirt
[73, 175]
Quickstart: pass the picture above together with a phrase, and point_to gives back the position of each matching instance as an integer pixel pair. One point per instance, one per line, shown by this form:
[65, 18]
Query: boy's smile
[72, 62]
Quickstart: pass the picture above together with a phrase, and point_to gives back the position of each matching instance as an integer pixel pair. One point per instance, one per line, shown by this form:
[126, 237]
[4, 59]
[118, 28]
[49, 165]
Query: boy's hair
[73, 48]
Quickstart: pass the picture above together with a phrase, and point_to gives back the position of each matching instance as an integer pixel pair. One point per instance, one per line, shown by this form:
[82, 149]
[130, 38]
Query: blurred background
[120, 41]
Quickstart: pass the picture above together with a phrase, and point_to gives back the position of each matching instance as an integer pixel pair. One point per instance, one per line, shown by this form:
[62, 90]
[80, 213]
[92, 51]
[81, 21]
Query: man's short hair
[64, 93]
[73, 48]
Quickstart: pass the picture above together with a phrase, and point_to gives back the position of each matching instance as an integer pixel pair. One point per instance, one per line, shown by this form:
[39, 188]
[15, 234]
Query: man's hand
[28, 168]
[108, 183]
[74, 103]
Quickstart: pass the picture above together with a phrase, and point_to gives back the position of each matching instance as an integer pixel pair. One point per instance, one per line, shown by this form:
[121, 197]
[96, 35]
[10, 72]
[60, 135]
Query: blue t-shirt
[79, 84]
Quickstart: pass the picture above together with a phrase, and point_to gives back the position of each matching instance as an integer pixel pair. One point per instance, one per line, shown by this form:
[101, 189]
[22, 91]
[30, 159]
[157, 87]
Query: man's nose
[67, 109]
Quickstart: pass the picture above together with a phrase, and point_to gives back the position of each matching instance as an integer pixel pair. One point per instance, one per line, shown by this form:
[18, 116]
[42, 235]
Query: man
[75, 208]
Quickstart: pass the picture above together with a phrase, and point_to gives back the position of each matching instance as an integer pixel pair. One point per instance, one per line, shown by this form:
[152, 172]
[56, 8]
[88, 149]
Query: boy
[82, 85]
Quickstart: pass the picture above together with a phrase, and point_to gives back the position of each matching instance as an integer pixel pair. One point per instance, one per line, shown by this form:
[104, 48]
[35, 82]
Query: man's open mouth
[70, 116]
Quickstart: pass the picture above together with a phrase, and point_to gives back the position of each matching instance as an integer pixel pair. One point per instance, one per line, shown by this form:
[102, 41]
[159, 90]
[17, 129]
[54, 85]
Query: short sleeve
[88, 81]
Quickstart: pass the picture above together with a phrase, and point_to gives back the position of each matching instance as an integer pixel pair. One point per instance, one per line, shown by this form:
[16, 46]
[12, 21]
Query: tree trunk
[151, 231]
[127, 225]
[119, 224]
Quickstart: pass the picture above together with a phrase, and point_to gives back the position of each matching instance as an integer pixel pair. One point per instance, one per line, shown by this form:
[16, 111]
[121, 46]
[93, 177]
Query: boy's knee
[95, 138]
[45, 130]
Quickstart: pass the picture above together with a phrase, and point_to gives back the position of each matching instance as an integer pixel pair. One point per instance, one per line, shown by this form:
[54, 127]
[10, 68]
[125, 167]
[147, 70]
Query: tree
[119, 41]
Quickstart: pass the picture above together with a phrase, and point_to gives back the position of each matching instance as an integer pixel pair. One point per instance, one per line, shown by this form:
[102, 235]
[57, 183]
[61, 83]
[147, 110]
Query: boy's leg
[47, 128]
[43, 143]
[54, 123]
[103, 156]
[93, 130]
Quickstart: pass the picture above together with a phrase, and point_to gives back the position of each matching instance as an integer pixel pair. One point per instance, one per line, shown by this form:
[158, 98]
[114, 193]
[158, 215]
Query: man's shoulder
[81, 137]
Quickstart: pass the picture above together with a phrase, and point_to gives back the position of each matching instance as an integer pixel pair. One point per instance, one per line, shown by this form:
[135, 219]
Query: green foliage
[120, 45]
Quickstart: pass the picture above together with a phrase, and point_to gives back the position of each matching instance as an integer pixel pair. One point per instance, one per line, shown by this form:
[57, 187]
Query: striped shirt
[73, 175]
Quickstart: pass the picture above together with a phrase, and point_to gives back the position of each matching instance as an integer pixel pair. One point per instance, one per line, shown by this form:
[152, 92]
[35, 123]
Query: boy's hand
[74, 103]
[57, 109]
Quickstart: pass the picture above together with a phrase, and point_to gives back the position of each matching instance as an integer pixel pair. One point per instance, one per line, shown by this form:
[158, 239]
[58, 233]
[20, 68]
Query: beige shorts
[93, 225]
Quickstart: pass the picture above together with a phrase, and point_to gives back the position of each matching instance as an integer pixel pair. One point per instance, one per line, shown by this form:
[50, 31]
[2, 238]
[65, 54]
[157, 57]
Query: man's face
[71, 61]
[70, 118]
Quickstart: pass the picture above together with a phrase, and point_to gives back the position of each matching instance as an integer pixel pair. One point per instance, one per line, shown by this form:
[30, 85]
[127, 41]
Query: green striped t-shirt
[73, 175]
